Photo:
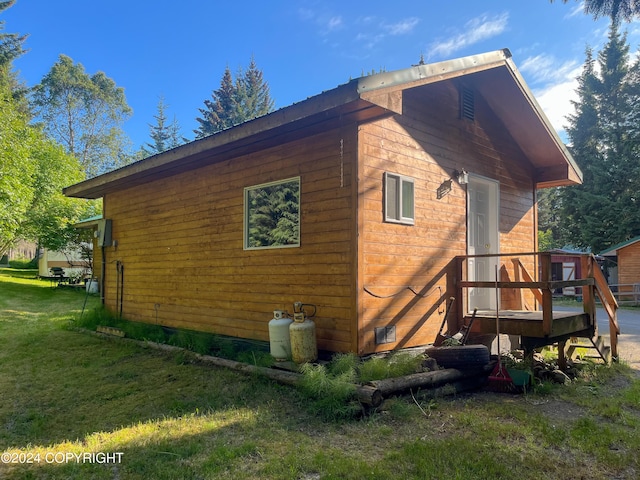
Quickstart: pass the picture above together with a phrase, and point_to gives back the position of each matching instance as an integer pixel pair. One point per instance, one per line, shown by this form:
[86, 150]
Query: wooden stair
[596, 348]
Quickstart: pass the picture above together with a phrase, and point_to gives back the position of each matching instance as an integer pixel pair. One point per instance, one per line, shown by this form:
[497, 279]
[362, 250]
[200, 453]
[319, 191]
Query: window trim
[245, 214]
[401, 179]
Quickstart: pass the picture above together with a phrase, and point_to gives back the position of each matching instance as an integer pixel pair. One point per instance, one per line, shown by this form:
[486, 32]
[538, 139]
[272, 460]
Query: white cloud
[556, 99]
[402, 27]
[558, 83]
[475, 31]
[334, 23]
[327, 23]
[306, 13]
[382, 30]
[546, 68]
[575, 11]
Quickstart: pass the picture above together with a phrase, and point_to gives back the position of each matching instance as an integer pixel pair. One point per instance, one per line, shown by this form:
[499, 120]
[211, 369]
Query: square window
[272, 215]
[399, 198]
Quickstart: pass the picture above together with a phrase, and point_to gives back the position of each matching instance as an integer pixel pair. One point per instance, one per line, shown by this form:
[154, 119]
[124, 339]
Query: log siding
[629, 265]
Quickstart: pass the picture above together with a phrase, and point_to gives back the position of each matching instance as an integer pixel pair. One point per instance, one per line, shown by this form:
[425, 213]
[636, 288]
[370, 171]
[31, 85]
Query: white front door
[482, 238]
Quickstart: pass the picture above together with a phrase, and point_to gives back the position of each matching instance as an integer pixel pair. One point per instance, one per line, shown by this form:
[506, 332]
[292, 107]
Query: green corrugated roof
[88, 222]
[612, 251]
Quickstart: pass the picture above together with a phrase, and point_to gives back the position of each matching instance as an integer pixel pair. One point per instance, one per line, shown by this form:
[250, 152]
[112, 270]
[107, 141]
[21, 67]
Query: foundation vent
[385, 335]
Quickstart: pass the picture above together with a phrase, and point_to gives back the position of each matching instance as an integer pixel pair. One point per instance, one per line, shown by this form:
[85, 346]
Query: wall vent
[467, 104]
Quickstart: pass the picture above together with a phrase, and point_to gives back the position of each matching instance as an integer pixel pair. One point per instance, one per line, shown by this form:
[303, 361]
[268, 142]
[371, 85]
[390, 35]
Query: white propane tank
[91, 285]
[303, 339]
[279, 340]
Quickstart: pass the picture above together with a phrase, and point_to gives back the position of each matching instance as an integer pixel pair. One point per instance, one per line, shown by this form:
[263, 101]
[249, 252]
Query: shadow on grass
[67, 391]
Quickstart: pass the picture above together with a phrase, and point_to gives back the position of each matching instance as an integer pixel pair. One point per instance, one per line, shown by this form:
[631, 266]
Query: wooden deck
[529, 324]
[535, 321]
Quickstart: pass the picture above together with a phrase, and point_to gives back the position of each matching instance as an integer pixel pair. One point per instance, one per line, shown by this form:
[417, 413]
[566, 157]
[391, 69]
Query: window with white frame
[272, 215]
[398, 199]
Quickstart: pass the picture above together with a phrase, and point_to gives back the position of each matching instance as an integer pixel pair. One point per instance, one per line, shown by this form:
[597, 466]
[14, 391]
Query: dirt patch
[557, 410]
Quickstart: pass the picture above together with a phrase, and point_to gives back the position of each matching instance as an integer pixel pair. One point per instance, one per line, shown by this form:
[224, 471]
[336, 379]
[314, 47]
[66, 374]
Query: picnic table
[58, 275]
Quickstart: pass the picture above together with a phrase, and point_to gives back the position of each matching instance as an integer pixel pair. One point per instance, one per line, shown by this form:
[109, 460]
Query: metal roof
[613, 251]
[88, 222]
[493, 74]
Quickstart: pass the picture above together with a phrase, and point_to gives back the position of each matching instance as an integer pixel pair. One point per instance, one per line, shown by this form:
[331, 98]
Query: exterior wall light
[462, 176]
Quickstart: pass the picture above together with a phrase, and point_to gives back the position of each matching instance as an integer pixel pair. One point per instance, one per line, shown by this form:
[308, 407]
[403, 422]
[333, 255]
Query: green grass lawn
[159, 416]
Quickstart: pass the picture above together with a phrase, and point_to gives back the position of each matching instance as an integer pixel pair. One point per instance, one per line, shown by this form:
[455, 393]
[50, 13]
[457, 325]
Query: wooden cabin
[624, 269]
[360, 201]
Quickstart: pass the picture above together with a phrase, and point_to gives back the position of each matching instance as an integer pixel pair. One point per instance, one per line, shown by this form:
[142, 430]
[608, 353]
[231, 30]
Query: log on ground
[426, 379]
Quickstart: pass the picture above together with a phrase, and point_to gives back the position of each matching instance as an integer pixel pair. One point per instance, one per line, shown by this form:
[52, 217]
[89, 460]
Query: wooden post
[610, 305]
[547, 298]
[588, 291]
[516, 278]
[562, 355]
[461, 297]
[613, 334]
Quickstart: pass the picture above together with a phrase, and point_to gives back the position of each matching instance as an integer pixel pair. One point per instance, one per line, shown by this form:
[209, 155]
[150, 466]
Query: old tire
[459, 356]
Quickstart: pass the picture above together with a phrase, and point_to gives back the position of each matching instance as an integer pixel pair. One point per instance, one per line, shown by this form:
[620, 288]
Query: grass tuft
[395, 365]
[333, 397]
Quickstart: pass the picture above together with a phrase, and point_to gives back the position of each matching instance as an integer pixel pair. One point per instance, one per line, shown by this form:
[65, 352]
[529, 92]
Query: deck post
[588, 292]
[562, 355]
[547, 297]
[613, 336]
[516, 278]
[461, 299]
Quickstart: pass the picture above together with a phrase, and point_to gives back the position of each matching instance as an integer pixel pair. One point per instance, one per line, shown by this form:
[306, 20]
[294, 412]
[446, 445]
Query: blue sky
[180, 49]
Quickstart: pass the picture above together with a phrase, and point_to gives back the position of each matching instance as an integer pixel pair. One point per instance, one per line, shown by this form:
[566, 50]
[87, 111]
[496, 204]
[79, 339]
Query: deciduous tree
[34, 171]
[84, 113]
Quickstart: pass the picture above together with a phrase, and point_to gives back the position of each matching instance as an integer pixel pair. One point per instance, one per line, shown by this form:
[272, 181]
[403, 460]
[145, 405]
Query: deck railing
[515, 279]
[626, 293]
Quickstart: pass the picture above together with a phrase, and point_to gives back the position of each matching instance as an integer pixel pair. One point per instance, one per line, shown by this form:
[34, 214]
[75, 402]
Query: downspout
[103, 275]
[121, 287]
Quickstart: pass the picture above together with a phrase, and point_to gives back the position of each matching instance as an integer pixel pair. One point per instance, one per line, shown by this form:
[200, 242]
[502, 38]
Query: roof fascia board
[429, 73]
[322, 103]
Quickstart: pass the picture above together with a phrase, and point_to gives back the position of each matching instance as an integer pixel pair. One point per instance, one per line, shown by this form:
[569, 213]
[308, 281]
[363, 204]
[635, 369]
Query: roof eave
[320, 106]
[381, 94]
[573, 174]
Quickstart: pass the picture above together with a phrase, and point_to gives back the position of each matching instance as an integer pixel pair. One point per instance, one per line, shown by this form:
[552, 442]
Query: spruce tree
[159, 132]
[253, 93]
[617, 10]
[175, 138]
[604, 138]
[10, 43]
[164, 135]
[11, 47]
[236, 101]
